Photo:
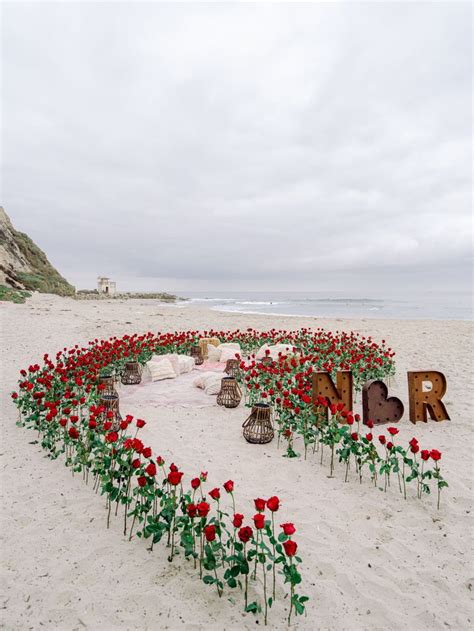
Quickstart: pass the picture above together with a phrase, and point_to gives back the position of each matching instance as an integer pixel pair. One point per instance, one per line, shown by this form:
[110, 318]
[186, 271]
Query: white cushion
[198, 382]
[214, 353]
[173, 358]
[161, 370]
[212, 383]
[229, 353]
[185, 364]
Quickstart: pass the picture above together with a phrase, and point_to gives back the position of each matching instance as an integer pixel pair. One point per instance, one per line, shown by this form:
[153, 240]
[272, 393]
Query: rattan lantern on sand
[196, 352]
[132, 374]
[107, 380]
[258, 428]
[111, 413]
[232, 367]
[230, 394]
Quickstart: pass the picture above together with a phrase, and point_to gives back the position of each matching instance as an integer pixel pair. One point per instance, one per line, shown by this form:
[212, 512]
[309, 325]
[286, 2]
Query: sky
[219, 147]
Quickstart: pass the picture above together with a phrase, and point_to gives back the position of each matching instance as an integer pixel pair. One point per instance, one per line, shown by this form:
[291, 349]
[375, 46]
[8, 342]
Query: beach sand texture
[370, 560]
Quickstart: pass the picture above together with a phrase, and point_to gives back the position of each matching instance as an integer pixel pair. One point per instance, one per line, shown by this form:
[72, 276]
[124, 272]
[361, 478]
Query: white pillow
[229, 353]
[185, 364]
[212, 383]
[214, 353]
[173, 358]
[284, 349]
[161, 370]
[198, 382]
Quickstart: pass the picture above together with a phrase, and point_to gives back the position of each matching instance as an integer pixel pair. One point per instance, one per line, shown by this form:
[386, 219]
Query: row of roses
[60, 400]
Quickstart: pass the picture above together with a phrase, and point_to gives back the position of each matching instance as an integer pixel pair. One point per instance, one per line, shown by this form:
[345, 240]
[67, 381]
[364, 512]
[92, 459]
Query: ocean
[433, 306]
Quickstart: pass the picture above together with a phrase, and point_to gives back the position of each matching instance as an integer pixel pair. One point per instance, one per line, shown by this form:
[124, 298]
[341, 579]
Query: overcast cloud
[218, 146]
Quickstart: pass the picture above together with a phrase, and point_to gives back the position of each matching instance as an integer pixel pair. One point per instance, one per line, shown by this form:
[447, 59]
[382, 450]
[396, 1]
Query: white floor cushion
[161, 370]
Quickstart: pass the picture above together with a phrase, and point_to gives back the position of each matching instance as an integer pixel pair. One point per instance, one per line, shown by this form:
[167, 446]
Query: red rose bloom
[195, 483]
[229, 486]
[435, 455]
[393, 431]
[355, 436]
[273, 503]
[73, 433]
[245, 534]
[136, 463]
[174, 477]
[140, 422]
[173, 467]
[259, 521]
[415, 449]
[237, 521]
[412, 442]
[369, 437]
[382, 439]
[389, 446]
[151, 469]
[203, 509]
[159, 461]
[259, 504]
[215, 494]
[147, 452]
[290, 547]
[288, 529]
[425, 454]
[210, 532]
[142, 481]
[370, 424]
[191, 509]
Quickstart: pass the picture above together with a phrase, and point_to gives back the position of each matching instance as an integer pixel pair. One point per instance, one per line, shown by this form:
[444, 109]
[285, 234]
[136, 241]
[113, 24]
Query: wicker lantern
[132, 374]
[258, 427]
[232, 367]
[196, 352]
[230, 394]
[111, 413]
[107, 379]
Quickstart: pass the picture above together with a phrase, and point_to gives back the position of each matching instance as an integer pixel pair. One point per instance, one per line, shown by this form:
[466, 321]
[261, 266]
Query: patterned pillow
[161, 370]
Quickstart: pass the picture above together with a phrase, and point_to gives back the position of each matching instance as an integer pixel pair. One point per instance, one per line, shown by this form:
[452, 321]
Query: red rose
[389, 446]
[413, 442]
[382, 439]
[63, 422]
[245, 534]
[136, 463]
[425, 454]
[350, 419]
[191, 510]
[174, 477]
[273, 503]
[140, 422]
[203, 509]
[435, 455]
[290, 547]
[142, 481]
[415, 449]
[288, 529]
[123, 425]
[370, 424]
[151, 469]
[392, 430]
[173, 467]
[369, 437]
[112, 437]
[14, 395]
[107, 426]
[159, 461]
[259, 521]
[210, 532]
[237, 521]
[259, 504]
[73, 433]
[229, 486]
[215, 494]
[355, 436]
[195, 483]
[203, 476]
[147, 452]
[92, 423]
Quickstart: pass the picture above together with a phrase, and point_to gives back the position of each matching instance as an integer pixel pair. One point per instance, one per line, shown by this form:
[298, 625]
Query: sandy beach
[371, 560]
